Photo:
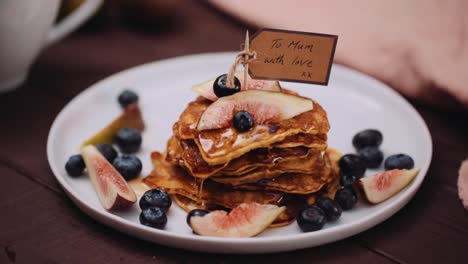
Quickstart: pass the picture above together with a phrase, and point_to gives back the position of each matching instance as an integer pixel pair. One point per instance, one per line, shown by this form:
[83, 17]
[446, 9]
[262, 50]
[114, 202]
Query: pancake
[298, 183]
[330, 189]
[186, 127]
[175, 180]
[219, 146]
[185, 153]
[318, 141]
[263, 158]
[306, 165]
[334, 156]
[286, 163]
[185, 191]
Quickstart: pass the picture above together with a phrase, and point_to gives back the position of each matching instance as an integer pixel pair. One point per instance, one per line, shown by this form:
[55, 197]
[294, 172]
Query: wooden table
[39, 224]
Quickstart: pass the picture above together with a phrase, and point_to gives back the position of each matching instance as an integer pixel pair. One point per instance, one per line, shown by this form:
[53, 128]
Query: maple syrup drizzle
[200, 183]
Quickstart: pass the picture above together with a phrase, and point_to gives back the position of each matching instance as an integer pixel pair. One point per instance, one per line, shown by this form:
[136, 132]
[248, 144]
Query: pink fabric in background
[419, 47]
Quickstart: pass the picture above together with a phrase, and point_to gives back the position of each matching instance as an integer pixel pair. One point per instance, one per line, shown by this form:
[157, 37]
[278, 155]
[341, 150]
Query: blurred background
[127, 33]
[418, 47]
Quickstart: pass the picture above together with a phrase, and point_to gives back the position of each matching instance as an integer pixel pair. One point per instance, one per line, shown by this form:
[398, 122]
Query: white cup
[26, 28]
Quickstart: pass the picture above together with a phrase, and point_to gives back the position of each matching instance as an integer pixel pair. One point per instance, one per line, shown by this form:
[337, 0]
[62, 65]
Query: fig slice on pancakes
[246, 220]
[205, 89]
[264, 106]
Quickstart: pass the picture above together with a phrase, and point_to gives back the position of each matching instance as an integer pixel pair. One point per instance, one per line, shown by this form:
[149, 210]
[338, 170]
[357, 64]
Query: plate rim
[118, 223]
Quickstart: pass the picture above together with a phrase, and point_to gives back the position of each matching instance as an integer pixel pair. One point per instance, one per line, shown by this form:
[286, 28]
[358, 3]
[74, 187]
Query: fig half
[264, 106]
[246, 220]
[381, 186]
[111, 188]
[462, 183]
[205, 89]
[130, 118]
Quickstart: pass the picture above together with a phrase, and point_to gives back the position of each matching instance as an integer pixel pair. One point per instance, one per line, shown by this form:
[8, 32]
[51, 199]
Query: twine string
[244, 57]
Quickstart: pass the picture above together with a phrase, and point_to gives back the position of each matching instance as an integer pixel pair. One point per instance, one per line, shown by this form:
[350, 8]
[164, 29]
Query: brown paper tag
[292, 56]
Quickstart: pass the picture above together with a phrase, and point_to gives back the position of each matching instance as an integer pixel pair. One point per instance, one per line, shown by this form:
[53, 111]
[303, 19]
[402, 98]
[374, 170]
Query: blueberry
[399, 161]
[75, 165]
[331, 208]
[128, 140]
[156, 198]
[129, 166]
[346, 197]
[107, 151]
[352, 164]
[220, 86]
[367, 138]
[372, 157]
[311, 219]
[127, 97]
[196, 212]
[243, 121]
[347, 179]
[153, 217]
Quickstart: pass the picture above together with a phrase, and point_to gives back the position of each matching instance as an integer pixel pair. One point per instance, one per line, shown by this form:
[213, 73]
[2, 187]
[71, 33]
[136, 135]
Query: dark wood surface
[39, 224]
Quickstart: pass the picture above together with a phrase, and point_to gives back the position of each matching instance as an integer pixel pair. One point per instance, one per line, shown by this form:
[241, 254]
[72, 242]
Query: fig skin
[121, 203]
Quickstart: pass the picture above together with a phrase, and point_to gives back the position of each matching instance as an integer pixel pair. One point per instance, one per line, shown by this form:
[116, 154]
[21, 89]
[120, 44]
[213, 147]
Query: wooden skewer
[242, 57]
[246, 57]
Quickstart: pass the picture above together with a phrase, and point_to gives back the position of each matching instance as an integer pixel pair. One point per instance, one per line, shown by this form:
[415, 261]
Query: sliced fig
[246, 220]
[264, 106]
[381, 186]
[130, 118]
[111, 188]
[462, 183]
[205, 89]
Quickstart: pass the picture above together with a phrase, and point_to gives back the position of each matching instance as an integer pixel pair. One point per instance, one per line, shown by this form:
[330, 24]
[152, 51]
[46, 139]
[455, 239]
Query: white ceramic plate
[353, 102]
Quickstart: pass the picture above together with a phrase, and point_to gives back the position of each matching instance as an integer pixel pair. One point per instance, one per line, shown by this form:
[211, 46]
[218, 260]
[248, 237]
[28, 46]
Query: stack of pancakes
[286, 163]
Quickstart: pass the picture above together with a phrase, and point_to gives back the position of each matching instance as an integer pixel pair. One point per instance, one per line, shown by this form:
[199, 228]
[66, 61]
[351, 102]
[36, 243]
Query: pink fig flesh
[264, 106]
[246, 220]
[111, 188]
[462, 183]
[205, 89]
[381, 186]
